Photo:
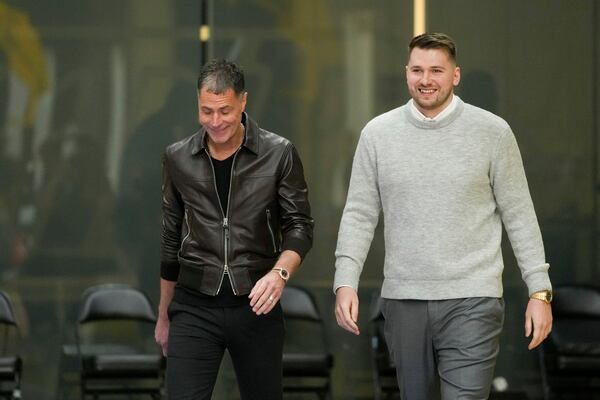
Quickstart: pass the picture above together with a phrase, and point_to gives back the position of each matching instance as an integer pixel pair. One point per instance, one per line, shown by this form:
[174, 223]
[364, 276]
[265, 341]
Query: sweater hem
[401, 289]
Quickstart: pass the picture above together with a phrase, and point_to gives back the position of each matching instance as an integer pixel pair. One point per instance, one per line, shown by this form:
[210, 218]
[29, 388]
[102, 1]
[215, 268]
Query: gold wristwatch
[543, 295]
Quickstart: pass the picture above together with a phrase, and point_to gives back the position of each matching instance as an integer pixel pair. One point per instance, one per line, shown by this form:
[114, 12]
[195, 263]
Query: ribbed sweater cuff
[346, 276]
[538, 279]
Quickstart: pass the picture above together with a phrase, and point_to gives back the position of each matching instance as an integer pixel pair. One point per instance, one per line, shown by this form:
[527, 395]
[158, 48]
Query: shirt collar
[251, 136]
[440, 117]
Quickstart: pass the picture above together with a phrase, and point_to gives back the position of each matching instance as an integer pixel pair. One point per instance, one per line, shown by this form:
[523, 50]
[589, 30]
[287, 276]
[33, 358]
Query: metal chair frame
[299, 304]
[110, 368]
[567, 365]
[11, 364]
[385, 383]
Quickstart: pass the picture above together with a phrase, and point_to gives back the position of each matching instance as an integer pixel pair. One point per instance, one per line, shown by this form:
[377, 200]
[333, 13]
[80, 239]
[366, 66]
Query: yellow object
[419, 17]
[543, 295]
[23, 48]
[204, 33]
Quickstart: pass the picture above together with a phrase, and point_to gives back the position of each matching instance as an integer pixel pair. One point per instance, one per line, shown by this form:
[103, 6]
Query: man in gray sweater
[446, 175]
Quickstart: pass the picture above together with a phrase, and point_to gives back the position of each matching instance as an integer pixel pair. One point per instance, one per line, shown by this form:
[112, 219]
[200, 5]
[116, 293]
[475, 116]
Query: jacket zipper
[187, 224]
[225, 222]
[271, 230]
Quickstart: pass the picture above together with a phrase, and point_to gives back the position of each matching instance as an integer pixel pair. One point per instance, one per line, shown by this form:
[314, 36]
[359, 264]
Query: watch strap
[543, 295]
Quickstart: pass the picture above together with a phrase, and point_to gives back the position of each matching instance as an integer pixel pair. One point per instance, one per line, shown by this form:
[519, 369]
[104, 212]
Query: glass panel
[91, 92]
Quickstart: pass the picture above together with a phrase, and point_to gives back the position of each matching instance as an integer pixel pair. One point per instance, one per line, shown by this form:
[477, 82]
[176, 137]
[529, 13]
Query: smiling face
[221, 116]
[431, 77]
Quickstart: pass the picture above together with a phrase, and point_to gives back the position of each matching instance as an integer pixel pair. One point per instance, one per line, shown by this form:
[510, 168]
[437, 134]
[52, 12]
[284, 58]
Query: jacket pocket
[271, 232]
[188, 231]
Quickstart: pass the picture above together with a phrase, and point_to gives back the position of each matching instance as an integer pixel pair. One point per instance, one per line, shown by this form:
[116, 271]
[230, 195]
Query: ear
[456, 79]
[244, 100]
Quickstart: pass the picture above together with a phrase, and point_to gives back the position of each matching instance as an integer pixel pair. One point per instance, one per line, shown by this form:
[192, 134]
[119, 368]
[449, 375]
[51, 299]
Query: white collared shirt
[445, 112]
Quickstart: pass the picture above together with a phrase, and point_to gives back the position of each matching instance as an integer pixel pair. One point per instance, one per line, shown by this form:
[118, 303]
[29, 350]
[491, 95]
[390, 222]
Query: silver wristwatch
[283, 273]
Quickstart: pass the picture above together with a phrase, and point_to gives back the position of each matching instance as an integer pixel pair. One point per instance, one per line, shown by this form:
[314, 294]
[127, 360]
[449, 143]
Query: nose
[215, 119]
[425, 78]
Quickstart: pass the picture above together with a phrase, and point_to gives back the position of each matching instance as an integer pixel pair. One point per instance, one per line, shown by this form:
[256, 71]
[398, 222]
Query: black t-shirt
[223, 179]
[225, 297]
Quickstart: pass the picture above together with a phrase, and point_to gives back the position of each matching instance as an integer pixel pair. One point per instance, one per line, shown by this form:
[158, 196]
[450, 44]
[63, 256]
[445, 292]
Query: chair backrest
[7, 316]
[576, 301]
[379, 347]
[115, 302]
[298, 303]
[307, 359]
[375, 313]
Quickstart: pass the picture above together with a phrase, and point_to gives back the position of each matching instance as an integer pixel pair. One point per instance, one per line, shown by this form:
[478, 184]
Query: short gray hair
[217, 76]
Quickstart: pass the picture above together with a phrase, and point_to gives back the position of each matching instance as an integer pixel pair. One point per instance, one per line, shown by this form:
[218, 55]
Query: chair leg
[82, 389]
[324, 393]
[156, 396]
[327, 394]
[377, 393]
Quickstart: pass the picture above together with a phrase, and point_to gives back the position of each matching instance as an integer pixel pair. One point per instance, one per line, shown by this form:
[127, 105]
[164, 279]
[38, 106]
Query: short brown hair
[434, 40]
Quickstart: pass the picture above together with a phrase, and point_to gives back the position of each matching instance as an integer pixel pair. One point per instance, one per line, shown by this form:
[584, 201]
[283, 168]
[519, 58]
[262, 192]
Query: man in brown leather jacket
[236, 226]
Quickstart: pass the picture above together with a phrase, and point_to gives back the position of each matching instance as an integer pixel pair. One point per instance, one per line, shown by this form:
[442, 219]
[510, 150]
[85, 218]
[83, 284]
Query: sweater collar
[446, 111]
[446, 117]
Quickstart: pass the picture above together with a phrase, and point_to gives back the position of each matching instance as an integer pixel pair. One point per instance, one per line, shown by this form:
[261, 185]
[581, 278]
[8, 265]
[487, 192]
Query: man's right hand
[161, 334]
[346, 309]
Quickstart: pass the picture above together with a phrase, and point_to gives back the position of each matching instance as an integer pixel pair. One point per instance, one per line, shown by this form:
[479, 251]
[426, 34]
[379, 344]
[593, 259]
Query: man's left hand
[538, 320]
[266, 293]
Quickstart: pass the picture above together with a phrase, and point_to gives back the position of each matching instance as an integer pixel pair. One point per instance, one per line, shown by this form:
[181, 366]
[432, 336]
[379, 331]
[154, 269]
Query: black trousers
[198, 337]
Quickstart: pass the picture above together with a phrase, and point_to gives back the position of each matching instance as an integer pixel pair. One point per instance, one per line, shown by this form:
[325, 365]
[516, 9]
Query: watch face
[284, 274]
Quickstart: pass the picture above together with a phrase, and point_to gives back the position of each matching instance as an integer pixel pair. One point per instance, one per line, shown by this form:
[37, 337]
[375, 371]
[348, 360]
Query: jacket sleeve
[296, 222]
[172, 216]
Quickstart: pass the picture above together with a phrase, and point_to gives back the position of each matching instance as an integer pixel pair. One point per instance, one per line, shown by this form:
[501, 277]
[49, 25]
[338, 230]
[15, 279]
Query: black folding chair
[570, 356]
[307, 362]
[11, 364]
[385, 383]
[115, 345]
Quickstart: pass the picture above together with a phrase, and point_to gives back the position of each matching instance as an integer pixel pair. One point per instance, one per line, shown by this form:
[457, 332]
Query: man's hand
[266, 293]
[538, 320]
[161, 334]
[346, 309]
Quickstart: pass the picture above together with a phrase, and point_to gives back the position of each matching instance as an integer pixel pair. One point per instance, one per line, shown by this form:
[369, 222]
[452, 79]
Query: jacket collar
[250, 136]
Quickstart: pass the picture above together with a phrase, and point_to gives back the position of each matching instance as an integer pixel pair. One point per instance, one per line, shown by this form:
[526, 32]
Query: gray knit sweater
[445, 189]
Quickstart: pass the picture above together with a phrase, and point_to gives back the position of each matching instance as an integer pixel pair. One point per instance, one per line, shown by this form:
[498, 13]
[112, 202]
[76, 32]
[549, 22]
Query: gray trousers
[444, 349]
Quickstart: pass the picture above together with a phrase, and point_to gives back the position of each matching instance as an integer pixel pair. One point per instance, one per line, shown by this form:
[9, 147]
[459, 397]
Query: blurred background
[91, 91]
